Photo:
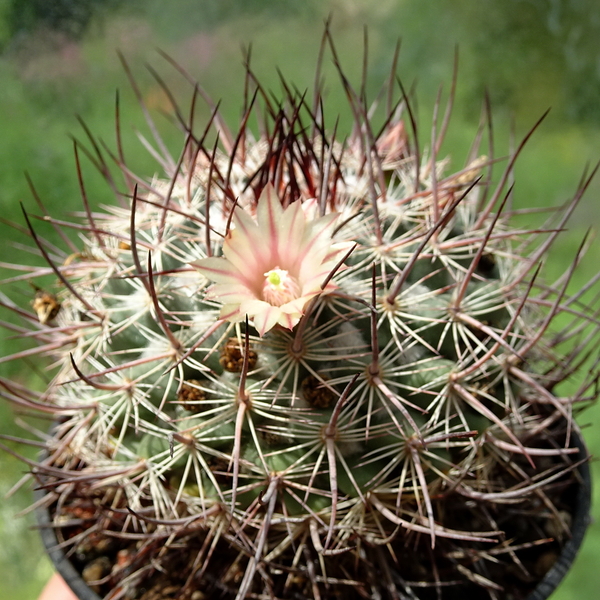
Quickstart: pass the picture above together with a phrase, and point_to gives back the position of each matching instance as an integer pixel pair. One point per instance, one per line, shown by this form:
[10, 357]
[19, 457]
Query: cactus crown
[295, 367]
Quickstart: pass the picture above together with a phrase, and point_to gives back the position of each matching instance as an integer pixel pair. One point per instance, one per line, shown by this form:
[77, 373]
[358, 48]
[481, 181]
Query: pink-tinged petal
[291, 233]
[229, 293]
[316, 242]
[314, 284]
[243, 222]
[297, 307]
[244, 245]
[231, 312]
[289, 321]
[312, 262]
[322, 226]
[337, 251]
[307, 273]
[217, 269]
[266, 319]
[251, 306]
[268, 216]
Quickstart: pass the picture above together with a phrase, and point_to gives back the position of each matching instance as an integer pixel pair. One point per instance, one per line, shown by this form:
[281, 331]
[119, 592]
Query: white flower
[274, 265]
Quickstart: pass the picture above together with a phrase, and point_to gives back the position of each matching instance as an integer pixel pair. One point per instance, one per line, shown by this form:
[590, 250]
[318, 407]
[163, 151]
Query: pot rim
[59, 559]
[581, 521]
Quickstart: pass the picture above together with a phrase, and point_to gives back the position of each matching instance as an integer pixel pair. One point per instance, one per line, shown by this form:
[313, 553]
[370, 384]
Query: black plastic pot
[581, 521]
[543, 591]
[62, 564]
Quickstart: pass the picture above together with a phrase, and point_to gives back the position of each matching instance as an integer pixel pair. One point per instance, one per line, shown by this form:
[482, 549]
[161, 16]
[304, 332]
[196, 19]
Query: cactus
[294, 367]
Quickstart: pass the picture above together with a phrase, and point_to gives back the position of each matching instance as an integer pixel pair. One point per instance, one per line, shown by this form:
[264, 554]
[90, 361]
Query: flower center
[280, 287]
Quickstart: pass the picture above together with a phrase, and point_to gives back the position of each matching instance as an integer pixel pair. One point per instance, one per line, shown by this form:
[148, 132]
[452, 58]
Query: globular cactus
[297, 367]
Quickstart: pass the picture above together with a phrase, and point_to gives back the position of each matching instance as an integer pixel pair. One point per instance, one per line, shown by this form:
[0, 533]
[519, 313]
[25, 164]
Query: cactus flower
[272, 266]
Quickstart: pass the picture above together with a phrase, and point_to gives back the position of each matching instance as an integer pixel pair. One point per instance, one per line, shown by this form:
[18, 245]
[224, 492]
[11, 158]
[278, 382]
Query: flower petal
[229, 293]
[269, 217]
[267, 318]
[317, 241]
[217, 269]
[231, 312]
[291, 234]
[243, 244]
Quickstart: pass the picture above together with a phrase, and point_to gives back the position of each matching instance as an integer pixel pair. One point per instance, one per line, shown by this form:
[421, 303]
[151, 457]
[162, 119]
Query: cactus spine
[292, 367]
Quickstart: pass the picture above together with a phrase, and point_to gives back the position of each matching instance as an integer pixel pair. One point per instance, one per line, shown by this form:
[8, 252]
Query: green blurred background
[58, 60]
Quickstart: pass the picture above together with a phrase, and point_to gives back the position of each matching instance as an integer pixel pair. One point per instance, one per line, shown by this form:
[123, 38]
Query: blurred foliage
[69, 17]
[528, 55]
[548, 47]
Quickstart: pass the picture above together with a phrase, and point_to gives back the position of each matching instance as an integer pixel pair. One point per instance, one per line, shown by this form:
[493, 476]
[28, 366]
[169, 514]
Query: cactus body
[290, 367]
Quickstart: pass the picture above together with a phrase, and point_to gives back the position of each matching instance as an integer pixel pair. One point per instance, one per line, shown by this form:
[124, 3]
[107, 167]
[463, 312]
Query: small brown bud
[232, 356]
[46, 306]
[316, 392]
[191, 396]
